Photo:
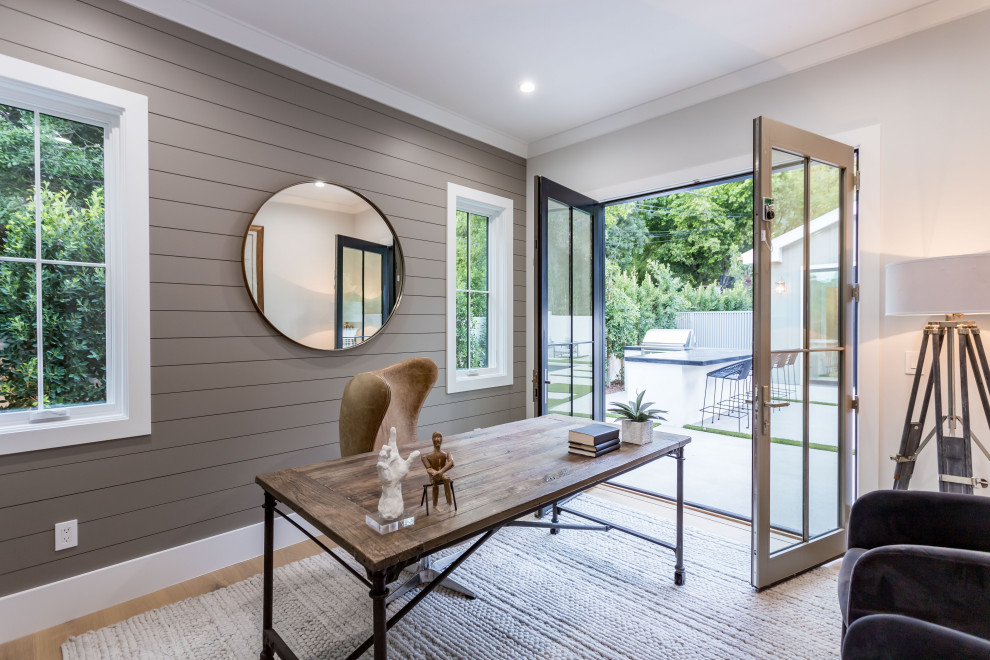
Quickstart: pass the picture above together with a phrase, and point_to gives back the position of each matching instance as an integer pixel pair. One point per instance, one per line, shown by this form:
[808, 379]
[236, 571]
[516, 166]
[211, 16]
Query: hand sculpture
[392, 469]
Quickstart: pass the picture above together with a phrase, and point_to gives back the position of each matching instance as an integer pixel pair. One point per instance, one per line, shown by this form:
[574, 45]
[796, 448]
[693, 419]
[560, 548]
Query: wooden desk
[503, 473]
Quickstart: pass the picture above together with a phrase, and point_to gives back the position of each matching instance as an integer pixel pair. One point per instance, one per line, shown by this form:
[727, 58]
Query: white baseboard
[29, 611]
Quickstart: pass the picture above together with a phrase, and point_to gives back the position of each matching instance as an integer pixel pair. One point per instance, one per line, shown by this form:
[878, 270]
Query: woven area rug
[579, 594]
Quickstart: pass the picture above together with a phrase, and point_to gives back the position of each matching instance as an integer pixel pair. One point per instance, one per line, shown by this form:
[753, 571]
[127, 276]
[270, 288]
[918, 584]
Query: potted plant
[637, 419]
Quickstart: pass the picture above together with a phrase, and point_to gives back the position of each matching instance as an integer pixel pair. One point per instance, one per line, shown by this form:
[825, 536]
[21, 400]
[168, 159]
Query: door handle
[776, 405]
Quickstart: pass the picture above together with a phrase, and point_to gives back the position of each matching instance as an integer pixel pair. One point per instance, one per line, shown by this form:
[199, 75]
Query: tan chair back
[375, 401]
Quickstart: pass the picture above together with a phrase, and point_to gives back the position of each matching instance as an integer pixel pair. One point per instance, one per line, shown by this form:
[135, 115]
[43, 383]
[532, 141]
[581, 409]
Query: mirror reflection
[322, 265]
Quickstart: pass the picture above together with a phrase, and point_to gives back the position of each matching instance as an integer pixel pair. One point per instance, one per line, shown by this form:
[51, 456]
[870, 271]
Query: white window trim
[499, 211]
[124, 114]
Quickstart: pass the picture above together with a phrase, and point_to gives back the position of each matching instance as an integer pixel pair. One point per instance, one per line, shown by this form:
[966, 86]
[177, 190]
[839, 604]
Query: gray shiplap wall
[230, 398]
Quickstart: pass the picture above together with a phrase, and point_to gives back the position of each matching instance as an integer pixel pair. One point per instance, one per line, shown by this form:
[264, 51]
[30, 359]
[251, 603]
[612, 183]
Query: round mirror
[323, 265]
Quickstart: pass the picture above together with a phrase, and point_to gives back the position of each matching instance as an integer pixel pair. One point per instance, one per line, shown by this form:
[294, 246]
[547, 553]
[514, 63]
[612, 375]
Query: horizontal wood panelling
[180, 215]
[78, 477]
[232, 398]
[188, 270]
[100, 533]
[40, 516]
[83, 562]
[287, 149]
[194, 377]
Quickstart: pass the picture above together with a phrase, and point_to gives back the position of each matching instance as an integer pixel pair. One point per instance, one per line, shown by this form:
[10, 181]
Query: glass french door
[570, 379]
[804, 320]
[363, 291]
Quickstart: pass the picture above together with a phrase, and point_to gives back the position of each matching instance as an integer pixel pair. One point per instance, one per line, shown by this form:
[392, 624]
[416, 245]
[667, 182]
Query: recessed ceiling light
[528, 87]
[320, 184]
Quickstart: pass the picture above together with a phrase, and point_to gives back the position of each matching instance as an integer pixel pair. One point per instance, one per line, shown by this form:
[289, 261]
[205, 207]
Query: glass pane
[372, 293]
[823, 476]
[479, 331]
[559, 392]
[71, 190]
[462, 252]
[787, 257]
[351, 292]
[479, 252]
[16, 182]
[74, 310]
[558, 272]
[18, 337]
[583, 277]
[461, 311]
[787, 426]
[583, 385]
[825, 247]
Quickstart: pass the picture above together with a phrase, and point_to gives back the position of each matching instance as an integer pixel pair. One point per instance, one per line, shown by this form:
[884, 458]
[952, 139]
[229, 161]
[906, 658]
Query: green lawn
[747, 436]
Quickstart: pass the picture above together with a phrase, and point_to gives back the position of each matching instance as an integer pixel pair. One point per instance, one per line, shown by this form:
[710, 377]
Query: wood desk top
[500, 473]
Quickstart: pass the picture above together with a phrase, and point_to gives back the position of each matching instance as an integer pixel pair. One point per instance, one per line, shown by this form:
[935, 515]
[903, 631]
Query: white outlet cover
[66, 535]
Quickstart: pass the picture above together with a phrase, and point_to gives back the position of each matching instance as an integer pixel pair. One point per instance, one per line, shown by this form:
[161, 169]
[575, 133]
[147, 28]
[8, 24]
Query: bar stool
[735, 404]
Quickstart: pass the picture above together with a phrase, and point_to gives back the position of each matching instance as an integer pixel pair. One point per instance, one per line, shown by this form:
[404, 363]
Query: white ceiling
[598, 65]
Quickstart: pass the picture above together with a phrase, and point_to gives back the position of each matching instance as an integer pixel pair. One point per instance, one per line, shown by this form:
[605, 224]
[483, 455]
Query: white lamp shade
[958, 284]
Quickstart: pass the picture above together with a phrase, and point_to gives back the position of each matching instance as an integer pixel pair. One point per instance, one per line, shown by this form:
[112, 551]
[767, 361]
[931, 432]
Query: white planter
[637, 433]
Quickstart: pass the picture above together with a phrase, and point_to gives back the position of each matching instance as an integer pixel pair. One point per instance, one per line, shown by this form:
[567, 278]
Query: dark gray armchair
[925, 556]
[896, 637]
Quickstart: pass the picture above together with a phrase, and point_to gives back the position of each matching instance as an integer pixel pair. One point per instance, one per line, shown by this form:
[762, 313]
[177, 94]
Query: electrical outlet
[66, 535]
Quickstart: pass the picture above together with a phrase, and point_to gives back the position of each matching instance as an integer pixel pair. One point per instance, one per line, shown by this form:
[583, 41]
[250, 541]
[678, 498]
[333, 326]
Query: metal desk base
[273, 644]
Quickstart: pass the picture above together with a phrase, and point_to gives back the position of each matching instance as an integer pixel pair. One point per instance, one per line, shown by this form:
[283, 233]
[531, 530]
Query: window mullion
[39, 329]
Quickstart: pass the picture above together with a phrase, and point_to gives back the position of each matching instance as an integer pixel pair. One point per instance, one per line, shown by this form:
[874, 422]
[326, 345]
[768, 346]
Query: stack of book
[593, 440]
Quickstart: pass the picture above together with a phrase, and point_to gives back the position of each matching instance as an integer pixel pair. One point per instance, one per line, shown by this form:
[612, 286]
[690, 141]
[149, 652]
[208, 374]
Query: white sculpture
[392, 469]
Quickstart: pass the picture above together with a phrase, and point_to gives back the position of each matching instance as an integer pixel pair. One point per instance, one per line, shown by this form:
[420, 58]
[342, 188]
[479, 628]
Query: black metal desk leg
[267, 648]
[378, 593]
[555, 518]
[679, 573]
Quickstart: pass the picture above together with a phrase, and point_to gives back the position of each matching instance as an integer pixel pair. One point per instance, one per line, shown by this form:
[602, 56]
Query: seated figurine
[437, 463]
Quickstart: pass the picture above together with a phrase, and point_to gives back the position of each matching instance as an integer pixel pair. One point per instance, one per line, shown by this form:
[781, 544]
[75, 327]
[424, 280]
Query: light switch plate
[911, 362]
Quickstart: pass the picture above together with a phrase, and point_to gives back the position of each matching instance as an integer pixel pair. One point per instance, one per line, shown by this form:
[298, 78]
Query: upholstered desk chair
[375, 401]
[918, 554]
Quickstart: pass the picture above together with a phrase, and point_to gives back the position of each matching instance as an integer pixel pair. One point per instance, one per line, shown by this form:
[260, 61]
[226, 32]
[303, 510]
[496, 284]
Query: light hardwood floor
[47, 644]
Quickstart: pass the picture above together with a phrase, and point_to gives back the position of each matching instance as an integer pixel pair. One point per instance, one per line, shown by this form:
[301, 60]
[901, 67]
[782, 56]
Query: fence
[719, 329]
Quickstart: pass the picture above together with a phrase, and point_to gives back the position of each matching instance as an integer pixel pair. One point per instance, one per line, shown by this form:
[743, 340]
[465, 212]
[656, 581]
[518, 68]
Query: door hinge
[854, 403]
[856, 180]
[854, 291]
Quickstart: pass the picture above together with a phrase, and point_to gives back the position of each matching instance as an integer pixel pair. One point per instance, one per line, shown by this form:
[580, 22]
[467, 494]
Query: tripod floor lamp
[949, 286]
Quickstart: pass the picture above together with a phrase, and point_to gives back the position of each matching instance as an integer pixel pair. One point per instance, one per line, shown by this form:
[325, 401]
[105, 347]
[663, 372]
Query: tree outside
[71, 231]
[672, 253]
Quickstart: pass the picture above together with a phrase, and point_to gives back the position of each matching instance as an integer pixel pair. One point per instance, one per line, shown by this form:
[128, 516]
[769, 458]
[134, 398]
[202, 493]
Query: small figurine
[392, 469]
[437, 463]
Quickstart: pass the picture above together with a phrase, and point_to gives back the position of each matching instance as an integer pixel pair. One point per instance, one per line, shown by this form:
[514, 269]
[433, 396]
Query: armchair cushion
[948, 520]
[845, 575]
[945, 586]
[895, 637]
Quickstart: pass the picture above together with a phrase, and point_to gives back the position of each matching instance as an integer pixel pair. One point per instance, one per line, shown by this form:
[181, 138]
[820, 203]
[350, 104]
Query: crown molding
[243, 35]
[226, 28]
[906, 23]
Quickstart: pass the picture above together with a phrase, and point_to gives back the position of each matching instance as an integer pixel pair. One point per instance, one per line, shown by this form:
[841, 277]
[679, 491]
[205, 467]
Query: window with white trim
[479, 289]
[74, 326]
